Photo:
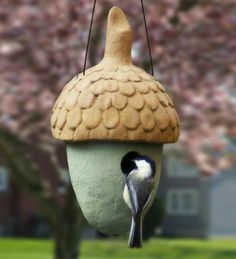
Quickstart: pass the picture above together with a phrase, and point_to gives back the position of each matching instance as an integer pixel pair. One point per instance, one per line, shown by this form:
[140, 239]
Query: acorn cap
[115, 100]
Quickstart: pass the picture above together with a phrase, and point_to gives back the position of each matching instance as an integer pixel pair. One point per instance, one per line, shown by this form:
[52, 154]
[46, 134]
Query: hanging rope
[90, 30]
[148, 40]
[89, 36]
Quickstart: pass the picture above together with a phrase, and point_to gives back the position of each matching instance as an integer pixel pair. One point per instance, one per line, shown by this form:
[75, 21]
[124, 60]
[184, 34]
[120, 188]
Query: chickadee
[139, 172]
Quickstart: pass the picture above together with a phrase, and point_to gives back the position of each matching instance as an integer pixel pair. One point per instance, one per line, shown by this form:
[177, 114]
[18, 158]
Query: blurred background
[42, 46]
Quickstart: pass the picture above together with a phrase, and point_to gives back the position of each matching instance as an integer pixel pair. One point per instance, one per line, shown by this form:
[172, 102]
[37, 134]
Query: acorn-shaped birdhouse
[113, 109]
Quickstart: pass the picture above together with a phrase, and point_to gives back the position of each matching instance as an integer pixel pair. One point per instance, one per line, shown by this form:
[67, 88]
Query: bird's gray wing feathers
[132, 196]
[148, 200]
[141, 192]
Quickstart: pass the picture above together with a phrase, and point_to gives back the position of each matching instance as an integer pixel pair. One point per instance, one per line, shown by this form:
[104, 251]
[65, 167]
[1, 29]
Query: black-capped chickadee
[139, 172]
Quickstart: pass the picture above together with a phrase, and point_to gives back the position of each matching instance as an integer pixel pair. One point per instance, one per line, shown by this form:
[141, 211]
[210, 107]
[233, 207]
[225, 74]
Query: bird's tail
[135, 236]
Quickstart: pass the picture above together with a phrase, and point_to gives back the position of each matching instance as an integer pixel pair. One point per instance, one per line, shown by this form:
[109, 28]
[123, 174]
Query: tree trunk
[67, 244]
[66, 250]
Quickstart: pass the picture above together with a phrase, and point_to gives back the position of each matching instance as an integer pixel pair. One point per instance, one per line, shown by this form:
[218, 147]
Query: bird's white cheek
[126, 197]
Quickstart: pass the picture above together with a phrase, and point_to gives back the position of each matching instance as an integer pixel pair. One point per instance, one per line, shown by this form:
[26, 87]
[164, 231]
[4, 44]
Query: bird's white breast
[126, 197]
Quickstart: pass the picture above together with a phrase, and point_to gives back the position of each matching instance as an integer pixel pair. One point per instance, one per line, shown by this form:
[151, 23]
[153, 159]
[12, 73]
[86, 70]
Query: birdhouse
[116, 107]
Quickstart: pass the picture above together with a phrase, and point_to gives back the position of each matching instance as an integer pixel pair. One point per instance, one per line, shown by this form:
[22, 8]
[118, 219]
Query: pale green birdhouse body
[98, 182]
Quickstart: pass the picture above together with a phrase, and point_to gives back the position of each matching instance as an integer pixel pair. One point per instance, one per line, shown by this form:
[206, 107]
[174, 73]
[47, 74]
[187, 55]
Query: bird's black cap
[127, 162]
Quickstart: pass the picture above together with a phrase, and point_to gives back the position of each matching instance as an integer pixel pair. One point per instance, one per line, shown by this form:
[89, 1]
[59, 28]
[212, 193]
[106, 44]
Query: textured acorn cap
[115, 100]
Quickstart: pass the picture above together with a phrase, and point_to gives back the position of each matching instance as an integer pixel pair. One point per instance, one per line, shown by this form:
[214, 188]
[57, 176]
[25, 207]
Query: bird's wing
[132, 196]
[148, 200]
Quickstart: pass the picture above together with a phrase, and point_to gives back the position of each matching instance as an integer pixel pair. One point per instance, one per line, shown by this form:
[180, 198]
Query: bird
[139, 178]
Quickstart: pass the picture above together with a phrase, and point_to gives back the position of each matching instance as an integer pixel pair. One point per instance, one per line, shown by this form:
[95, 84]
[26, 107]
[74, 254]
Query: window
[3, 179]
[178, 168]
[174, 202]
[182, 201]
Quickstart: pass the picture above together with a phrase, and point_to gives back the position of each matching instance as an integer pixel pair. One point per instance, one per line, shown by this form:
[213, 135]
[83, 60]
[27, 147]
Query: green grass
[156, 248]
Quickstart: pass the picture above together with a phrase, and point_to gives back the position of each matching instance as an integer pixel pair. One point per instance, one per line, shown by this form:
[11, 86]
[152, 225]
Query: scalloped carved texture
[115, 103]
[115, 100]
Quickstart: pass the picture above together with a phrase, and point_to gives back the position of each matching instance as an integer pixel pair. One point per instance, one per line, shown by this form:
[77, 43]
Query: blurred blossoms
[42, 45]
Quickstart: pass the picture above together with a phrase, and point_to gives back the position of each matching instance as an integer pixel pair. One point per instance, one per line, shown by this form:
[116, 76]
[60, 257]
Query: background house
[195, 204]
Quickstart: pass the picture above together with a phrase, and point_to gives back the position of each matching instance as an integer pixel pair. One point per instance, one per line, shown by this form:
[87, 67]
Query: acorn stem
[118, 37]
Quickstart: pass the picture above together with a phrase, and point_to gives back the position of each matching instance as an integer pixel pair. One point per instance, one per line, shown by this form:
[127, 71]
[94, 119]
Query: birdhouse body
[98, 182]
[113, 109]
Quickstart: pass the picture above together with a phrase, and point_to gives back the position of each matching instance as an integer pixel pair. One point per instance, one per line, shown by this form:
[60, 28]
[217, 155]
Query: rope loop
[146, 29]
